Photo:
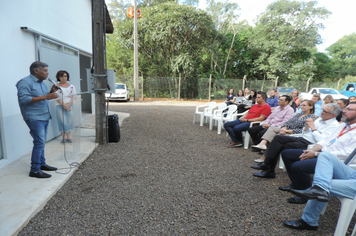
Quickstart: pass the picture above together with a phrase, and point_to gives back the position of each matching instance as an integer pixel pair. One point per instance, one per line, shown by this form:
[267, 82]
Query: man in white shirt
[312, 133]
[299, 169]
[332, 177]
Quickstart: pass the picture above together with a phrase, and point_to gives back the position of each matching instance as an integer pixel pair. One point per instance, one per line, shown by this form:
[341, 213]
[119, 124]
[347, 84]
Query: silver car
[122, 93]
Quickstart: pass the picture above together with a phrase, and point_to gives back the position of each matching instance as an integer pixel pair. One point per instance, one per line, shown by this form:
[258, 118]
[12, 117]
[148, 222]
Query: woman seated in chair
[293, 126]
[327, 99]
[247, 103]
[230, 97]
[239, 98]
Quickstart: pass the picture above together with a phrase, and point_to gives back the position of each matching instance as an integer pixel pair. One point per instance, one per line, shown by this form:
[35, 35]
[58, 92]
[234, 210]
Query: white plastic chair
[199, 110]
[219, 116]
[220, 106]
[247, 134]
[281, 163]
[348, 207]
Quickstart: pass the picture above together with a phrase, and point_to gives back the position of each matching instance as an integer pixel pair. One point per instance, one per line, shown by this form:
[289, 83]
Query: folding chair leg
[211, 123]
[281, 163]
[247, 139]
[345, 216]
[201, 120]
[219, 126]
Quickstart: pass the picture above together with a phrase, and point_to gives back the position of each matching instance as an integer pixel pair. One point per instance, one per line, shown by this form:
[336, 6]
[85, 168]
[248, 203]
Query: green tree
[343, 54]
[323, 67]
[224, 15]
[283, 37]
[170, 36]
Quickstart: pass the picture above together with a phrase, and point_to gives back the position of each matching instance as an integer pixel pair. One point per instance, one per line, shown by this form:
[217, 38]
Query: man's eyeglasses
[325, 111]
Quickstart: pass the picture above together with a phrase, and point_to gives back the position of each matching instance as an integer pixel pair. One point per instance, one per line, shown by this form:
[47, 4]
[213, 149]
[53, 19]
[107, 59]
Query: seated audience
[279, 116]
[239, 98]
[327, 99]
[301, 163]
[296, 99]
[332, 177]
[230, 96]
[247, 103]
[247, 93]
[272, 101]
[312, 133]
[352, 99]
[292, 126]
[342, 103]
[317, 105]
[258, 112]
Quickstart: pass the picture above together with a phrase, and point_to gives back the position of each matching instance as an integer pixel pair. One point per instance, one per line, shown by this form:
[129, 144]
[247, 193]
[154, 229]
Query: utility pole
[98, 31]
[136, 90]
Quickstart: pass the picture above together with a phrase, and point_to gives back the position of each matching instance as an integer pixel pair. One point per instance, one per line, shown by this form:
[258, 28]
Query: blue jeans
[333, 176]
[64, 119]
[38, 131]
[235, 128]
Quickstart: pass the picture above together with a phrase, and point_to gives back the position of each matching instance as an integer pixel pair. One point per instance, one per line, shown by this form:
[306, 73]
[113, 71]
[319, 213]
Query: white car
[323, 92]
[122, 93]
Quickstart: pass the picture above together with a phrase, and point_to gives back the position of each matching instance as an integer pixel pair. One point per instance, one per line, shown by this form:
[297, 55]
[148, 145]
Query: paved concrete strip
[21, 197]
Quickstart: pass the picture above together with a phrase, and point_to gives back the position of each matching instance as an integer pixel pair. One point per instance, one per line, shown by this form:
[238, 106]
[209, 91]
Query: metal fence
[167, 87]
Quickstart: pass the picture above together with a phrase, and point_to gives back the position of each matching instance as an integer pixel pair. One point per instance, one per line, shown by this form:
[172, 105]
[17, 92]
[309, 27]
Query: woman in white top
[64, 107]
[247, 93]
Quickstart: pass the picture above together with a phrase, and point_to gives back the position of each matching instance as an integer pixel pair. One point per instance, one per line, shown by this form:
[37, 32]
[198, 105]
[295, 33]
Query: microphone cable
[73, 164]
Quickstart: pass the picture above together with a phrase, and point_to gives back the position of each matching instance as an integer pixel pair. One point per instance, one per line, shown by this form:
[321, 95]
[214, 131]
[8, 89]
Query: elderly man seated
[300, 163]
[258, 112]
[311, 134]
[332, 178]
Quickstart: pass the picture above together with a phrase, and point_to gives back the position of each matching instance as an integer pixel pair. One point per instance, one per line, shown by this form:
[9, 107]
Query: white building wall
[68, 21]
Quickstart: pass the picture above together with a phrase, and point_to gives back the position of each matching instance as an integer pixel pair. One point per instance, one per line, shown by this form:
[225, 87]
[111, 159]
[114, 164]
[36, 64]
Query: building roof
[109, 26]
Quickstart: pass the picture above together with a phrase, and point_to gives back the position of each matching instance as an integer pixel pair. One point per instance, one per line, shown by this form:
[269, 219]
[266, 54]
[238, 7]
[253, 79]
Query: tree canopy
[343, 54]
[174, 37]
[283, 37]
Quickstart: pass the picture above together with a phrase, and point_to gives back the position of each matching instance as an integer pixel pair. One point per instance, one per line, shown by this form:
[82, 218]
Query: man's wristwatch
[316, 154]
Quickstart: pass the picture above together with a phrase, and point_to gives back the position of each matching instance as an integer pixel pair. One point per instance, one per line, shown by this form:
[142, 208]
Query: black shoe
[261, 153]
[261, 166]
[48, 168]
[312, 193]
[255, 150]
[299, 224]
[265, 174]
[39, 174]
[285, 188]
[297, 200]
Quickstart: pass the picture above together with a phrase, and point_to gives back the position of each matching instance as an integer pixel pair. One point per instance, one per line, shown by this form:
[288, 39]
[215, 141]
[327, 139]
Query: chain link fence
[167, 87]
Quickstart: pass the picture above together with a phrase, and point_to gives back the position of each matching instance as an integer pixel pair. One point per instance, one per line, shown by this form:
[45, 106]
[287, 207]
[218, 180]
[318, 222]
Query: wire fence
[168, 87]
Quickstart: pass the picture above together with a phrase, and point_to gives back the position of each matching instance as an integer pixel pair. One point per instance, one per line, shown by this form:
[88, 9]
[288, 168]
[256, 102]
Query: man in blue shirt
[272, 101]
[33, 99]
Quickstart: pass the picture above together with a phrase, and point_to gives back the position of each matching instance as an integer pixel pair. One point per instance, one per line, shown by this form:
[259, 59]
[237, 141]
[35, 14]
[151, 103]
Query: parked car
[122, 93]
[349, 90]
[285, 90]
[323, 92]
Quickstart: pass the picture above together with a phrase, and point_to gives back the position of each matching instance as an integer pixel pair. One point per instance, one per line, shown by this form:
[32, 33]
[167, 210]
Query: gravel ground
[168, 176]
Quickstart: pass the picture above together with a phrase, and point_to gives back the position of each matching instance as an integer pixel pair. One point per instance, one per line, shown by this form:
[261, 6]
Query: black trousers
[256, 133]
[280, 143]
[298, 171]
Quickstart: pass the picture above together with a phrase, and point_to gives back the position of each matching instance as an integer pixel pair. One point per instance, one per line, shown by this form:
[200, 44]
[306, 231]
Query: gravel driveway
[168, 176]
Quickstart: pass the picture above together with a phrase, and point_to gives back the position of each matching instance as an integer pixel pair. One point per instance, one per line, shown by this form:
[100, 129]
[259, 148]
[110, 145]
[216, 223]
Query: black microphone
[54, 83]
